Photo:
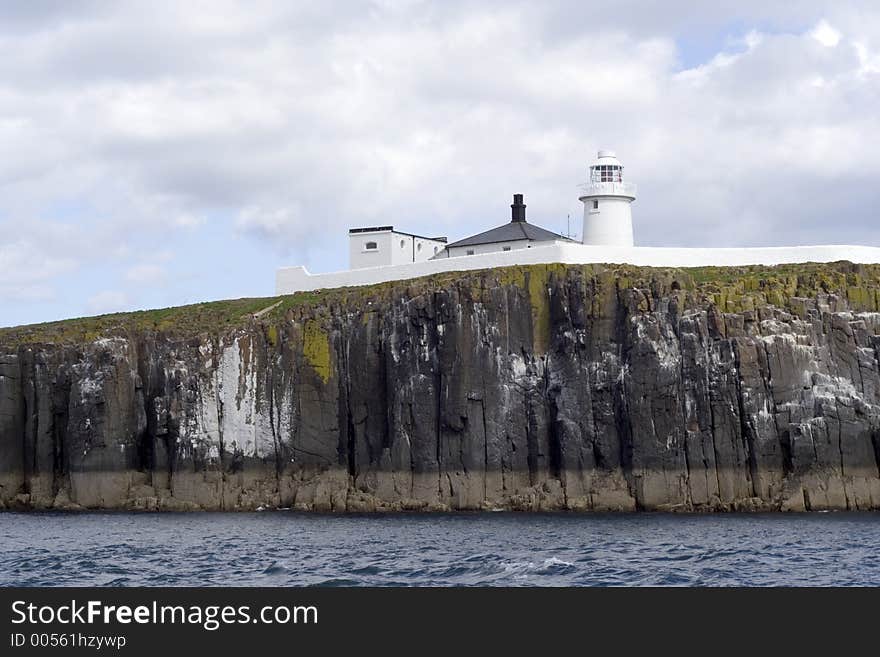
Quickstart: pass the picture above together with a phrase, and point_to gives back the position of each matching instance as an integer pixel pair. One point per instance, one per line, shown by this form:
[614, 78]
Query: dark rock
[534, 388]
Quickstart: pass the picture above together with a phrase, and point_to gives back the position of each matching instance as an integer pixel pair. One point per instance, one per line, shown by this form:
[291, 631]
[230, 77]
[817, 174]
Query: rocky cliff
[539, 388]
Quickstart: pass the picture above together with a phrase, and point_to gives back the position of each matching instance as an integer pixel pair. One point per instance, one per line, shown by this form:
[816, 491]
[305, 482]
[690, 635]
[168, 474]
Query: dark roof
[370, 229]
[509, 232]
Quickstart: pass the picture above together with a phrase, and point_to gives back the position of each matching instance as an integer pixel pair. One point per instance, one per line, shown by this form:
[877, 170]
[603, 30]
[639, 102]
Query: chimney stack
[518, 209]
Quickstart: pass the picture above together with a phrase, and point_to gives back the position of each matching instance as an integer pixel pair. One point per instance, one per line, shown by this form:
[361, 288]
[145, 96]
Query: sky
[159, 153]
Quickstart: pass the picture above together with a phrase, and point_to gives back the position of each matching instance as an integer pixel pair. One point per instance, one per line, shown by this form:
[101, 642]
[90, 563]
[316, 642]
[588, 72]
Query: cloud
[27, 273]
[27, 292]
[108, 301]
[146, 273]
[825, 34]
[130, 129]
[274, 222]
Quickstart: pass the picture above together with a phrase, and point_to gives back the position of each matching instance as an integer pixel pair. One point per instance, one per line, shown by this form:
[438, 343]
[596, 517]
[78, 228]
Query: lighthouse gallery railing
[608, 189]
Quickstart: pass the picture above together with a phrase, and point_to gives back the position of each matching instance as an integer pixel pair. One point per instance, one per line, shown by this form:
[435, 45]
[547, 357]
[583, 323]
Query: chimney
[518, 209]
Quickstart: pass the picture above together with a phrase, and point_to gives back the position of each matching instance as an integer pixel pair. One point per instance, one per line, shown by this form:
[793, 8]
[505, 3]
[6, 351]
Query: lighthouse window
[371, 246]
[607, 173]
[595, 204]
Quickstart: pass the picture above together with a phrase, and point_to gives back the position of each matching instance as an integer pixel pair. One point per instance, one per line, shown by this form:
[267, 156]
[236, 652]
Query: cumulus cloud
[108, 301]
[130, 124]
[280, 223]
[825, 34]
[28, 272]
[146, 274]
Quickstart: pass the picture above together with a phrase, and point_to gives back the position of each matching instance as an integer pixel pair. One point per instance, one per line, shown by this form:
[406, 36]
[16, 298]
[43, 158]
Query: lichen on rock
[316, 348]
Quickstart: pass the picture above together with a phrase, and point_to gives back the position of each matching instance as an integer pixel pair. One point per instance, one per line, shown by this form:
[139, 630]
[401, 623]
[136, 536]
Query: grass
[192, 319]
[731, 289]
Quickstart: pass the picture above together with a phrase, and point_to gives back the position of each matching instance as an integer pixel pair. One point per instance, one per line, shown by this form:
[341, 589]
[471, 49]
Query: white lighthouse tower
[607, 198]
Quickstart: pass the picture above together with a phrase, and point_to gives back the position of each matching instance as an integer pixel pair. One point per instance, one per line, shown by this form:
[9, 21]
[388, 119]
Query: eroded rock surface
[534, 388]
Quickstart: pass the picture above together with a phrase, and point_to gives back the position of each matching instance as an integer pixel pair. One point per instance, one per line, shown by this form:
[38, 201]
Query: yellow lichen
[540, 302]
[515, 276]
[316, 348]
[860, 298]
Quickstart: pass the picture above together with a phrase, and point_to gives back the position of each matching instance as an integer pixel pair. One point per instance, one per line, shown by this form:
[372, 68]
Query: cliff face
[542, 387]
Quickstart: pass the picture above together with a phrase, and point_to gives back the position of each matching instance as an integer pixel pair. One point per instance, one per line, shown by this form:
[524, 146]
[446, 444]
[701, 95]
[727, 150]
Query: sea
[280, 548]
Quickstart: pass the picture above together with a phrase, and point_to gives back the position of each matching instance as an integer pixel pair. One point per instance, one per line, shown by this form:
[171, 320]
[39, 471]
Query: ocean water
[499, 549]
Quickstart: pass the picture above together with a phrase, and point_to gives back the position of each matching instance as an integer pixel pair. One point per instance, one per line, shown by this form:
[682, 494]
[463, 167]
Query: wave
[480, 550]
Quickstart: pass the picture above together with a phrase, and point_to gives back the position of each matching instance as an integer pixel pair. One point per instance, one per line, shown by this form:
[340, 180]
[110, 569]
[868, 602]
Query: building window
[469, 252]
[435, 249]
[419, 247]
[371, 246]
[506, 248]
[402, 243]
[595, 204]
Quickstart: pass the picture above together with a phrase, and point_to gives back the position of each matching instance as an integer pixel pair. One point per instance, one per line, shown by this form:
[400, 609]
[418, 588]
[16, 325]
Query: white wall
[393, 248]
[610, 224]
[480, 249]
[359, 256]
[296, 279]
[425, 248]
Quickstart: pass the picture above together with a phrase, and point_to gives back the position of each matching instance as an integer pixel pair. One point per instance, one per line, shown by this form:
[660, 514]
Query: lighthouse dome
[606, 158]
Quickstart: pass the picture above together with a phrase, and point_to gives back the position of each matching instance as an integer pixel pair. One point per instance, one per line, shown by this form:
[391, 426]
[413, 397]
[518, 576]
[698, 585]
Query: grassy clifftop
[729, 289]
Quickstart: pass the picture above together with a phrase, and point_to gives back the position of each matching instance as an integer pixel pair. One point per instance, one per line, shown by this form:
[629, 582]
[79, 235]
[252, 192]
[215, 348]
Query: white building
[516, 234]
[382, 246]
[607, 199]
[382, 254]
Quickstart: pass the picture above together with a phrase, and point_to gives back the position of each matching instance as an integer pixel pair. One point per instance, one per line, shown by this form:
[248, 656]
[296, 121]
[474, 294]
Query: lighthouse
[607, 198]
